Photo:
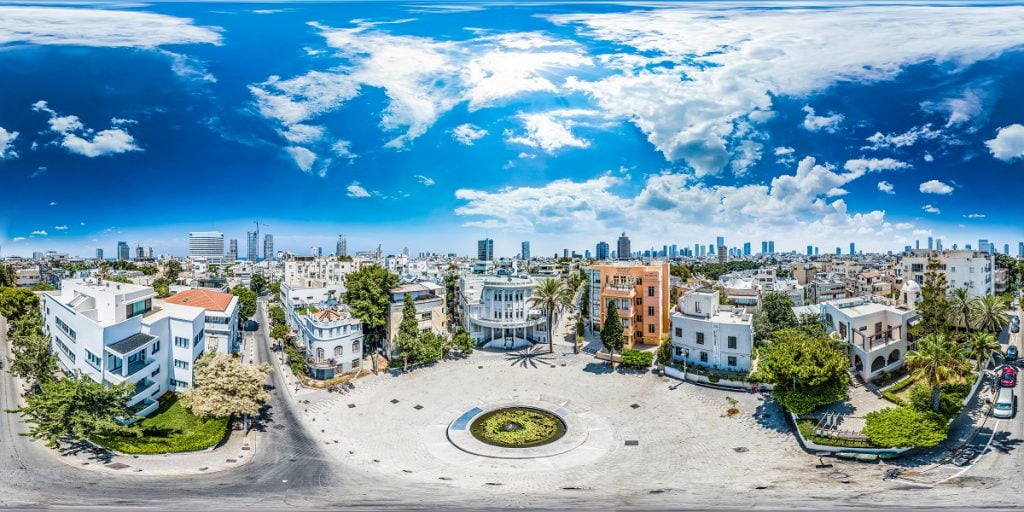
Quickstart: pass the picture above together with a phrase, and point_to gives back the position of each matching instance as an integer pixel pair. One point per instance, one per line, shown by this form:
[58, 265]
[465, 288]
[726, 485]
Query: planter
[886, 453]
[676, 373]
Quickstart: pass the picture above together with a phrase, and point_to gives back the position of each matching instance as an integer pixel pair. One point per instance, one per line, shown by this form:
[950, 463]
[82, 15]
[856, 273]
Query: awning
[130, 344]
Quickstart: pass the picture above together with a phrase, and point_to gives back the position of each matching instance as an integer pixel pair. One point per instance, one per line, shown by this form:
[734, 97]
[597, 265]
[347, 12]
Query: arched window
[319, 354]
[877, 364]
[894, 356]
[338, 351]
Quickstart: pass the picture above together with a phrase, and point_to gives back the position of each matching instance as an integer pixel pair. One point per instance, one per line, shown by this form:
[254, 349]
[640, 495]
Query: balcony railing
[135, 366]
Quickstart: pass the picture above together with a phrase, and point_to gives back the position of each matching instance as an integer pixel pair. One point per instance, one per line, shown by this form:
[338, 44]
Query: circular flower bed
[518, 427]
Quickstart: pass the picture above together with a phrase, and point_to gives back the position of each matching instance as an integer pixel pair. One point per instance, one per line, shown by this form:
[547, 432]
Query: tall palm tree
[553, 296]
[937, 361]
[989, 313]
[960, 307]
[983, 348]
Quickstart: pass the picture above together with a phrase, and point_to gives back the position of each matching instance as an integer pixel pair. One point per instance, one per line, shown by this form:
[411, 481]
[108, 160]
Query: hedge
[637, 358]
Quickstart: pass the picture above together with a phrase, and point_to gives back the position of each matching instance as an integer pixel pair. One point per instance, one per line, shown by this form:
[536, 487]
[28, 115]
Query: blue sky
[429, 127]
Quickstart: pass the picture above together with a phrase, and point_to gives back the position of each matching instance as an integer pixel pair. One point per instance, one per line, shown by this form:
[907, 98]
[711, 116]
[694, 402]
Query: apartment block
[705, 333]
[641, 295]
[974, 270]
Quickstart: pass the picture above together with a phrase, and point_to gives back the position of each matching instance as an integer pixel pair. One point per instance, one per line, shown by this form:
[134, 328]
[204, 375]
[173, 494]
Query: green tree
[960, 307]
[225, 386]
[277, 315]
[989, 313]
[258, 284]
[612, 336]
[776, 313]
[172, 269]
[246, 302]
[983, 348]
[162, 287]
[43, 287]
[904, 427]
[275, 289]
[812, 324]
[279, 332]
[32, 359]
[77, 409]
[937, 361]
[26, 325]
[450, 282]
[368, 293]
[807, 371]
[407, 341]
[463, 342]
[665, 350]
[933, 309]
[553, 297]
[8, 277]
[17, 302]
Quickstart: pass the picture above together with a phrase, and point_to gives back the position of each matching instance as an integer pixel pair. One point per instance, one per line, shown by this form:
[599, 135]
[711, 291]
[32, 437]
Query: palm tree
[984, 347]
[552, 296]
[937, 361]
[960, 307]
[989, 313]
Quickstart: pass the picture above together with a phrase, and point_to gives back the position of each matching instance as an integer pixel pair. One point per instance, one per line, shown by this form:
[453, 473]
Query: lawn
[171, 429]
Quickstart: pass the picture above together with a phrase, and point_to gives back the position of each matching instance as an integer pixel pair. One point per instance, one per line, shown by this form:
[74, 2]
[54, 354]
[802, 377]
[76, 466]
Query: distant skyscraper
[524, 250]
[764, 247]
[917, 244]
[232, 249]
[149, 253]
[815, 250]
[602, 251]
[810, 250]
[771, 246]
[673, 251]
[984, 246]
[623, 247]
[252, 251]
[938, 244]
[485, 249]
[1020, 249]
[838, 251]
[722, 250]
[206, 245]
[123, 251]
[1006, 249]
[853, 248]
[565, 253]
[99, 254]
[746, 248]
[268, 247]
[342, 247]
[586, 254]
[931, 244]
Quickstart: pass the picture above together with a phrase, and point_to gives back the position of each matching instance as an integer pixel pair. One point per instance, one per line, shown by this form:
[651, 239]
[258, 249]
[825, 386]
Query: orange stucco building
[641, 294]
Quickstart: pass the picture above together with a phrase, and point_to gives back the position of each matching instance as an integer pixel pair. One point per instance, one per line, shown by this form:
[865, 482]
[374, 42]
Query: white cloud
[551, 130]
[903, 225]
[467, 133]
[921, 232]
[188, 67]
[7, 144]
[931, 209]
[53, 203]
[303, 157]
[899, 140]
[18, 239]
[963, 108]
[343, 148]
[424, 180]
[747, 153]
[1008, 144]
[928, 157]
[935, 187]
[863, 165]
[40, 232]
[355, 190]
[784, 155]
[99, 27]
[974, 216]
[61, 228]
[816, 123]
[836, 192]
[77, 138]
[885, 186]
[725, 63]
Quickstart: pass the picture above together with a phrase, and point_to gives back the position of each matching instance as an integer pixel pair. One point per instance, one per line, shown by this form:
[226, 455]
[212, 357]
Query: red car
[1008, 378]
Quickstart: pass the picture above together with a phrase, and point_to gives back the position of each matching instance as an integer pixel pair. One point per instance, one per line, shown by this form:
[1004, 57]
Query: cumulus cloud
[885, 186]
[76, 138]
[356, 190]
[1008, 145]
[18, 239]
[935, 187]
[343, 149]
[974, 216]
[816, 123]
[898, 140]
[7, 144]
[303, 157]
[550, 131]
[467, 133]
[931, 209]
[61, 228]
[863, 165]
[424, 180]
[99, 27]
[40, 232]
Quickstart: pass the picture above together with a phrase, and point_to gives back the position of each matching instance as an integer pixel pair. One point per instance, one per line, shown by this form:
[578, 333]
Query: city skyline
[874, 149]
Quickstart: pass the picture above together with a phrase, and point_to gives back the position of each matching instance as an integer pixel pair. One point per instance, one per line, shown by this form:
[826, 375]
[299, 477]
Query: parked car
[1008, 377]
[1005, 404]
[1011, 353]
[1014, 328]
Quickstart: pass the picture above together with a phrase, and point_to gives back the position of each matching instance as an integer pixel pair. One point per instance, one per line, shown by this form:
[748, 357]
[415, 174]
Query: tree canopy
[246, 301]
[17, 302]
[904, 427]
[258, 284]
[808, 371]
[77, 409]
[368, 293]
[408, 341]
[31, 358]
[225, 386]
[776, 313]
[612, 336]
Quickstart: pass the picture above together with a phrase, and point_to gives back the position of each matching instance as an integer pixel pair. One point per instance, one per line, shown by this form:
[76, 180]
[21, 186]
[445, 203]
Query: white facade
[331, 337]
[312, 272]
[496, 311]
[971, 269]
[876, 333]
[206, 245]
[705, 333]
[27, 277]
[114, 333]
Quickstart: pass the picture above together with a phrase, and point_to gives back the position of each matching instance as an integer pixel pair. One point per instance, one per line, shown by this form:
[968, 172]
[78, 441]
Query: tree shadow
[530, 357]
[598, 368]
[770, 415]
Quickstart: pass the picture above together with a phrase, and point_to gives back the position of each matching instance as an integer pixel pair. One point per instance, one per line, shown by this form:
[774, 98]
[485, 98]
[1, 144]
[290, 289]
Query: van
[1005, 404]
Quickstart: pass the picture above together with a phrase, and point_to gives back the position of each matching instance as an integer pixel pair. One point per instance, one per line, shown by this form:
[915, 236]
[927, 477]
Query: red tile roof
[206, 299]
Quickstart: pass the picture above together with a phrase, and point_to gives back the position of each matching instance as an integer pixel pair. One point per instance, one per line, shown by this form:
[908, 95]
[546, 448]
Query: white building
[971, 269]
[206, 245]
[114, 332]
[431, 315]
[875, 332]
[496, 311]
[27, 277]
[331, 336]
[317, 272]
[705, 333]
[221, 325]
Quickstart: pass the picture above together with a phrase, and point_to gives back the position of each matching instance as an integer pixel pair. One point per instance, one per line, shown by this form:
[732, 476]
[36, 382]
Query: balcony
[878, 340]
[619, 290]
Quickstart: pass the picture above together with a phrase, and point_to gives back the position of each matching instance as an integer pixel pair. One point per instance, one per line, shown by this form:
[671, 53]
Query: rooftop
[130, 343]
[206, 299]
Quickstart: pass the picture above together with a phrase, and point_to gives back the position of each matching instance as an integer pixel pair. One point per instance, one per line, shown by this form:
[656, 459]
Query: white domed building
[496, 311]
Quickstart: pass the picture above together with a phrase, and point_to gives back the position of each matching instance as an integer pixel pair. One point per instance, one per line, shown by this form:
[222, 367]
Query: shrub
[806, 399]
[905, 427]
[712, 378]
[951, 398]
[637, 358]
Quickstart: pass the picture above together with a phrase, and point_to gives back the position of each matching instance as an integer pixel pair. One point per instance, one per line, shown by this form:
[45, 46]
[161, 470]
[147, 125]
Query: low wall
[676, 373]
[814, 447]
[974, 388]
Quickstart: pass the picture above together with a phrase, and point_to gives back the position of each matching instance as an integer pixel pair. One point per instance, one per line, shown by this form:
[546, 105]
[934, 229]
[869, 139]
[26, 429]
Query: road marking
[995, 428]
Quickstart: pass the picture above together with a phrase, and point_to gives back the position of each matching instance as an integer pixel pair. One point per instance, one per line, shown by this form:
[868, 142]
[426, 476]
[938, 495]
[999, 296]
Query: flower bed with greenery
[806, 427]
[636, 358]
[899, 393]
[171, 429]
[905, 427]
[518, 427]
[712, 374]
[885, 378]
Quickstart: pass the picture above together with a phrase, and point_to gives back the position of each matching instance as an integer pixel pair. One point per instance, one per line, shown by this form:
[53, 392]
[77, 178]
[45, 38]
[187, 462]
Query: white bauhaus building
[711, 335]
[332, 338]
[496, 311]
[974, 270]
[206, 245]
[114, 332]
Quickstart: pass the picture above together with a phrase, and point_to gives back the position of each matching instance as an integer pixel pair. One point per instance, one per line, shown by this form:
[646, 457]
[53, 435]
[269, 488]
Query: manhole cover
[635, 406]
[417, 407]
[839, 476]
[741, 449]
[406, 471]
[443, 478]
[493, 483]
[479, 367]
[394, 400]
[231, 461]
[204, 468]
[118, 465]
[632, 442]
[351, 406]
[572, 488]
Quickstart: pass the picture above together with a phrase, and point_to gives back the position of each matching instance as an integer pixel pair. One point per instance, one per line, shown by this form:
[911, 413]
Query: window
[679, 332]
[92, 358]
[650, 310]
[679, 351]
[180, 342]
[700, 338]
[732, 342]
[650, 291]
[156, 347]
[178, 363]
[178, 383]
[650, 328]
[639, 301]
[198, 338]
[355, 347]
[155, 372]
[703, 357]
[338, 351]
[138, 308]
[731, 361]
[696, 306]
[878, 327]
[355, 363]
[67, 330]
